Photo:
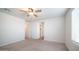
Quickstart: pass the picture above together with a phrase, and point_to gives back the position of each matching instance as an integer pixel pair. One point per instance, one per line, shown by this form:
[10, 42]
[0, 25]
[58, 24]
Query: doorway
[34, 30]
[41, 28]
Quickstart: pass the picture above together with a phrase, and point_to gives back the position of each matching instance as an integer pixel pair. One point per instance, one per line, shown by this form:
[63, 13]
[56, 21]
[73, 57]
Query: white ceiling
[46, 13]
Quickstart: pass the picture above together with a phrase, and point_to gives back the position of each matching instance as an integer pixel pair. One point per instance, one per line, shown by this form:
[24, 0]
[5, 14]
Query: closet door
[34, 32]
[37, 30]
[41, 30]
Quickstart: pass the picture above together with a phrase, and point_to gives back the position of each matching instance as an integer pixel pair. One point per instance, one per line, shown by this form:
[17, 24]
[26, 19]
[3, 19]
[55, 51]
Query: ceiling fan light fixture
[31, 11]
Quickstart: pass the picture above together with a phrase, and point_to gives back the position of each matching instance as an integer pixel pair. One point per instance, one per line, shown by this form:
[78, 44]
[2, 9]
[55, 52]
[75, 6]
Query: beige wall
[11, 29]
[54, 29]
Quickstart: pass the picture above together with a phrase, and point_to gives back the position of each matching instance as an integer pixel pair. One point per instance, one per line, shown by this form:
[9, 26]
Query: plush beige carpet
[34, 45]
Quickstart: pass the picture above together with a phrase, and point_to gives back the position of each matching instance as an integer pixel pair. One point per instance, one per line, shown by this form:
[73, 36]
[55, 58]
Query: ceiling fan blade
[35, 15]
[30, 10]
[38, 11]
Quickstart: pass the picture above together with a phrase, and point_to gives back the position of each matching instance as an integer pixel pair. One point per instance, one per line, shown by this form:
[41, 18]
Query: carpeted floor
[34, 45]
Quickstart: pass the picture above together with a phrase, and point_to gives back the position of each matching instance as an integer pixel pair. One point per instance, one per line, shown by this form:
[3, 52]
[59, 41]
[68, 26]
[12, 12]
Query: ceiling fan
[31, 11]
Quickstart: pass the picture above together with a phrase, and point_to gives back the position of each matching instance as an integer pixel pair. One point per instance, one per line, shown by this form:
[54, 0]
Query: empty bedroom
[39, 29]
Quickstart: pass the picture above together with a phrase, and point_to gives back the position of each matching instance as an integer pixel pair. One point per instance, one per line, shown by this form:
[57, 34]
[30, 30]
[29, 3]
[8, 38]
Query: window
[75, 25]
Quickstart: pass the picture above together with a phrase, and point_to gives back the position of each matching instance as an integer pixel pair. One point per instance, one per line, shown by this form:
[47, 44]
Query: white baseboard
[6, 43]
[55, 41]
